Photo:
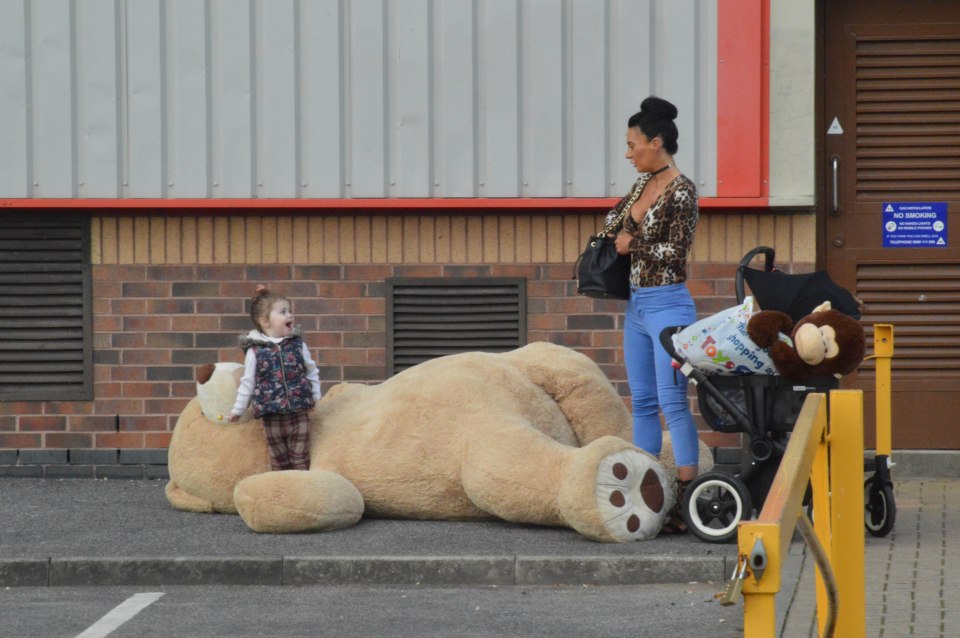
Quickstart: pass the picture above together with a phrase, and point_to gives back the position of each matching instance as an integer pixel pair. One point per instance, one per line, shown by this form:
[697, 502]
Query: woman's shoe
[675, 524]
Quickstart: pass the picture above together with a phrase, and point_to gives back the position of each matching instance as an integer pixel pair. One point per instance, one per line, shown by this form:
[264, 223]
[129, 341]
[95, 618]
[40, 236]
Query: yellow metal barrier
[883, 353]
[838, 511]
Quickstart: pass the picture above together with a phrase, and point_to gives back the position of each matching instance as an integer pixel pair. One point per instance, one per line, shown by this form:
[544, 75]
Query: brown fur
[764, 327]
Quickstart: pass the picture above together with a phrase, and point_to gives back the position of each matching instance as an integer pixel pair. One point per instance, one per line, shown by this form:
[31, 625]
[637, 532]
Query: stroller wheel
[714, 504]
[881, 511]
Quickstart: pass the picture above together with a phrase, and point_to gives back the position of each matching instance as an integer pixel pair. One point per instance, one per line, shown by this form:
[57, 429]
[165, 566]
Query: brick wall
[169, 293]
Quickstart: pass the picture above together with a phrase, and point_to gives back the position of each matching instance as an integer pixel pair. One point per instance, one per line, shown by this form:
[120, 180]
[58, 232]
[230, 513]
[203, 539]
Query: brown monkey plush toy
[824, 342]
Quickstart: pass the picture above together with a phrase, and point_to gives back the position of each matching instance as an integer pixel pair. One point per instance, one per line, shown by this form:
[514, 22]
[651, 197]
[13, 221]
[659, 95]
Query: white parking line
[120, 614]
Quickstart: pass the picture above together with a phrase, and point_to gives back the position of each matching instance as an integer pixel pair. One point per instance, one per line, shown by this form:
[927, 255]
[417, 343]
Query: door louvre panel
[922, 301]
[908, 123]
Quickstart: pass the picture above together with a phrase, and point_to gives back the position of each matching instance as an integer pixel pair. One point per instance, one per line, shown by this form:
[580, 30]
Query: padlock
[732, 592]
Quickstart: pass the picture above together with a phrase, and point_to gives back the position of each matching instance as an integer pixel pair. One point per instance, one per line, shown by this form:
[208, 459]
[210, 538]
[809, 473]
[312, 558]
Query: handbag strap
[634, 195]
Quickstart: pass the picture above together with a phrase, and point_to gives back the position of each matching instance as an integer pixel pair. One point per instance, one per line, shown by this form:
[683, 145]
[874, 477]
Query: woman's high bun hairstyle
[655, 119]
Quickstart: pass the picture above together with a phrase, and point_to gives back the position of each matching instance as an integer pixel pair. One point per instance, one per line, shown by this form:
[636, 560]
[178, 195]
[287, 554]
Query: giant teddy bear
[537, 435]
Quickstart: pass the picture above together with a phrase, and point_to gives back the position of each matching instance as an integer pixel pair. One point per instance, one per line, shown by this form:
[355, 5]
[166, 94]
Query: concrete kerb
[435, 571]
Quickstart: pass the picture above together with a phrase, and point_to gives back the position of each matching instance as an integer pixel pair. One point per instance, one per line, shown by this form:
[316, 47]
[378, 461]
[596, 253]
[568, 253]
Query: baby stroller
[765, 409]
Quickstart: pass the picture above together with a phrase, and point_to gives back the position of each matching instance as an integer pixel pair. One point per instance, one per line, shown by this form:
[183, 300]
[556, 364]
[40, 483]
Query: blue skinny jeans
[653, 385]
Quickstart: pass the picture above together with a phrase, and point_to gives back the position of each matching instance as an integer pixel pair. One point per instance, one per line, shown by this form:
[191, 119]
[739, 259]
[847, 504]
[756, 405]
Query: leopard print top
[662, 239]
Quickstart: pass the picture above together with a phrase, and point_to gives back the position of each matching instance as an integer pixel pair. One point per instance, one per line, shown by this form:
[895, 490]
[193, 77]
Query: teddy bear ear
[824, 306]
[204, 373]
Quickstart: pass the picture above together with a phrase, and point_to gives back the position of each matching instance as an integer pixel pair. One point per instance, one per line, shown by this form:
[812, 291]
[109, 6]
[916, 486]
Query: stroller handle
[767, 252]
[667, 342]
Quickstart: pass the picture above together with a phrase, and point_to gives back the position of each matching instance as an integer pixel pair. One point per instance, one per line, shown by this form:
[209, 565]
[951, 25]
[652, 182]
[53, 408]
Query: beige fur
[537, 435]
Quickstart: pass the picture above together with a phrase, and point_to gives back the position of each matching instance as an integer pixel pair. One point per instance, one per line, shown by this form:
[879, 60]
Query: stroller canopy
[798, 295]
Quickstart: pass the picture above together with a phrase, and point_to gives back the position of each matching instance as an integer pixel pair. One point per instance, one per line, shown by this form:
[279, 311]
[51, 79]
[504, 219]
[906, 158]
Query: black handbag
[600, 272]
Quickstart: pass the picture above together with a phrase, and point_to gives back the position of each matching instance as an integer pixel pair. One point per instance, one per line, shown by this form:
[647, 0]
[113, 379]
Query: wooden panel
[173, 234]
[238, 240]
[474, 240]
[348, 239]
[188, 246]
[158, 241]
[411, 245]
[205, 240]
[301, 240]
[268, 240]
[487, 239]
[221, 240]
[442, 239]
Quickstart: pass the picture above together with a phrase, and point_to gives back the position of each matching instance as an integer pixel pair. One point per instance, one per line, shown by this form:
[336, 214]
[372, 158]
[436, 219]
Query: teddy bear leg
[608, 490]
[298, 501]
[582, 391]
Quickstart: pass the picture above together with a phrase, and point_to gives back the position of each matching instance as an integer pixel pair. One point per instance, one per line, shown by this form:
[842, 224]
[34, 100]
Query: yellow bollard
[820, 484]
[846, 510]
[883, 352]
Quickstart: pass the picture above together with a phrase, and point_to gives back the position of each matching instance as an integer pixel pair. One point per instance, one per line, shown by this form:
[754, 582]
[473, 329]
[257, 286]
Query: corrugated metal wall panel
[187, 100]
[410, 84]
[98, 108]
[498, 99]
[345, 98]
[231, 99]
[51, 103]
[14, 161]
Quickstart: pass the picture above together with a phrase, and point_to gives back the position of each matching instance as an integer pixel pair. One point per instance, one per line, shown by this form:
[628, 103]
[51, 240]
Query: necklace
[660, 170]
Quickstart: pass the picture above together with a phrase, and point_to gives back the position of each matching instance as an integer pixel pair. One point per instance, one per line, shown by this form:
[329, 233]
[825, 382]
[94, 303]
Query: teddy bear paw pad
[632, 495]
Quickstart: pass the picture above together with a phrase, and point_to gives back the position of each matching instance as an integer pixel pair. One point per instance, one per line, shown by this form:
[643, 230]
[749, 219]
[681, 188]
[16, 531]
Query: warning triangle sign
[835, 128]
[888, 209]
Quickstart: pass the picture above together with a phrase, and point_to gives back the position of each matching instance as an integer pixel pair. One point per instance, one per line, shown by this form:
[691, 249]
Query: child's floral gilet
[281, 385]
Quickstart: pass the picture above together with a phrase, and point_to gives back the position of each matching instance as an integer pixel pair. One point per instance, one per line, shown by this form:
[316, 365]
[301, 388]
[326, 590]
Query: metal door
[891, 142]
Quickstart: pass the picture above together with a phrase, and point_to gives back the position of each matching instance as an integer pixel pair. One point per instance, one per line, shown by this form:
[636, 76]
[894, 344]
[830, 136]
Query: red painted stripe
[431, 205]
[742, 100]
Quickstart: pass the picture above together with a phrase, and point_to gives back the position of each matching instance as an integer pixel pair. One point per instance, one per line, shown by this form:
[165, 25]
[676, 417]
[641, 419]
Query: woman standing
[657, 233]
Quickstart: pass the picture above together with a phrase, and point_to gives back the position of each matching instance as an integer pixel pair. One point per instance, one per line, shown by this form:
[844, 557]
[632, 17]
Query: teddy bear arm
[765, 326]
[788, 362]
